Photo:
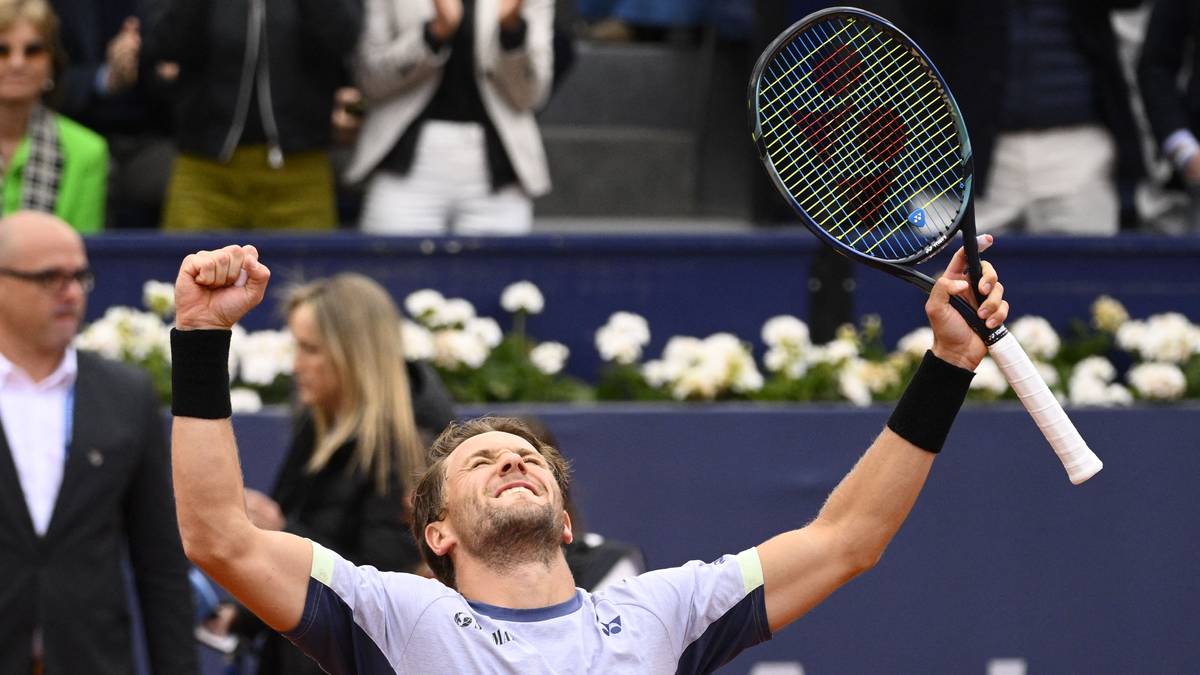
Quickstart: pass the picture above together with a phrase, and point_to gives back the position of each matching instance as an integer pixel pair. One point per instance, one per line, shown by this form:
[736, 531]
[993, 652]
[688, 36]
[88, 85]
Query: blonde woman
[358, 441]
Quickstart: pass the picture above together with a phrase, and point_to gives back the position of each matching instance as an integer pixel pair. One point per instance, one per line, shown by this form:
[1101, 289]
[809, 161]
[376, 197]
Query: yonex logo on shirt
[612, 627]
[463, 619]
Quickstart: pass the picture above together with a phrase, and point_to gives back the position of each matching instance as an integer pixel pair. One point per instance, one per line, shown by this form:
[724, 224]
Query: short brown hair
[429, 498]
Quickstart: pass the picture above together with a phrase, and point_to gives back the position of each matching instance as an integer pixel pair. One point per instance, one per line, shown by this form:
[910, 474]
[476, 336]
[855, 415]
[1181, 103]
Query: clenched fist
[207, 292]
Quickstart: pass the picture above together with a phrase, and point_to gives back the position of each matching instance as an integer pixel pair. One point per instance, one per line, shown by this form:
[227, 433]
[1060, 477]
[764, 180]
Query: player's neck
[527, 585]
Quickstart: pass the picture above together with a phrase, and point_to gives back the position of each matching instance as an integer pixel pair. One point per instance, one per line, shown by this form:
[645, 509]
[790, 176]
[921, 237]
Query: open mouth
[513, 488]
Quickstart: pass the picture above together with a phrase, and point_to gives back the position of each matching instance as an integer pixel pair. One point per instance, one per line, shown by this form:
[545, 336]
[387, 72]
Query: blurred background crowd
[502, 116]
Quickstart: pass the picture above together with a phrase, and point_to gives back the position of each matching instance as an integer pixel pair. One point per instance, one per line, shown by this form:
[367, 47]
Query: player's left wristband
[200, 374]
[930, 403]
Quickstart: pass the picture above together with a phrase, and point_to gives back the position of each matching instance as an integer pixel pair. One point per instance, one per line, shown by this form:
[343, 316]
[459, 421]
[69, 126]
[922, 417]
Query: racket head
[859, 132]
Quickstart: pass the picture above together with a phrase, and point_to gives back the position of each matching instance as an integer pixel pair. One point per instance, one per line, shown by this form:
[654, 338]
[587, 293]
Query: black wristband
[930, 402]
[200, 374]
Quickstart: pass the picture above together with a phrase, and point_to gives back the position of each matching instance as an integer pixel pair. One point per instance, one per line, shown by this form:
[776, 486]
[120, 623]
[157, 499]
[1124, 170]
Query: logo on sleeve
[463, 620]
[611, 627]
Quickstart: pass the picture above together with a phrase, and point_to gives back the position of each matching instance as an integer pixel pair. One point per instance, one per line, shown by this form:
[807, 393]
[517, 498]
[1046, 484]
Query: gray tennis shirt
[689, 619]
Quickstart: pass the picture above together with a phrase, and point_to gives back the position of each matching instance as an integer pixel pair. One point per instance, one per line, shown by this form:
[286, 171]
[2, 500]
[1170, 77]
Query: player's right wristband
[200, 374]
[930, 403]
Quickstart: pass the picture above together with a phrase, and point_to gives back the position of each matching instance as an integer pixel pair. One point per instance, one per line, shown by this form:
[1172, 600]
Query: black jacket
[115, 492]
[340, 508]
[306, 43]
[1173, 24]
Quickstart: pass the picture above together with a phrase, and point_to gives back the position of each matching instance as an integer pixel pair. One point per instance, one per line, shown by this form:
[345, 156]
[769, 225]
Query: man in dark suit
[83, 477]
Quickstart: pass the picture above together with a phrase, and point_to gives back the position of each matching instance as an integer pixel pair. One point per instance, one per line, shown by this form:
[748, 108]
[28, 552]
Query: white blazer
[399, 74]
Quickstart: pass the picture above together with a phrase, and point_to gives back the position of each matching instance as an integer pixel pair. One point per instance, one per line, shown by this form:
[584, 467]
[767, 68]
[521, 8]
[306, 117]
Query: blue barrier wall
[1001, 558]
[690, 284]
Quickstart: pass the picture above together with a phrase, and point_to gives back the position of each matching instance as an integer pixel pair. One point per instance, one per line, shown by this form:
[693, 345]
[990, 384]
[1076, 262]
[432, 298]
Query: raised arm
[802, 567]
[266, 571]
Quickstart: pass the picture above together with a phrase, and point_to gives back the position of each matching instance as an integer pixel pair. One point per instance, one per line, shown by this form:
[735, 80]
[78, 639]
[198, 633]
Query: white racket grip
[1077, 458]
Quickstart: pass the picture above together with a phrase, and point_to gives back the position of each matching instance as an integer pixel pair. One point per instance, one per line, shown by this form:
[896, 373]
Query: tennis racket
[859, 132]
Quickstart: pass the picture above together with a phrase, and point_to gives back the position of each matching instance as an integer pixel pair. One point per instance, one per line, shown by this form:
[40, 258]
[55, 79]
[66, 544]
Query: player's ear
[567, 535]
[440, 537]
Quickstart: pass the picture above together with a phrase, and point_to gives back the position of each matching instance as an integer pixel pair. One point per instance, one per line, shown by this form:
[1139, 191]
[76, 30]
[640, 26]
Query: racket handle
[1077, 458]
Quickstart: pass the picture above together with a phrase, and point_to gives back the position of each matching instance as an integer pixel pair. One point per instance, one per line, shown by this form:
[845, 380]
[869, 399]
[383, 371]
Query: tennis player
[489, 514]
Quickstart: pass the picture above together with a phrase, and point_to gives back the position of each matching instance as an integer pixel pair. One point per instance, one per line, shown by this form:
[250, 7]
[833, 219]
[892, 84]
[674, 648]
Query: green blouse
[83, 186]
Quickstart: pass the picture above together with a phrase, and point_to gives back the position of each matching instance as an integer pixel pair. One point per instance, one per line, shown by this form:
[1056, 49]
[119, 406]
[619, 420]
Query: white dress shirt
[34, 415]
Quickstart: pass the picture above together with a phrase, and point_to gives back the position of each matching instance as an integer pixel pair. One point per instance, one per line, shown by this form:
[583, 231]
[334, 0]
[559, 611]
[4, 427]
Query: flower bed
[1109, 360]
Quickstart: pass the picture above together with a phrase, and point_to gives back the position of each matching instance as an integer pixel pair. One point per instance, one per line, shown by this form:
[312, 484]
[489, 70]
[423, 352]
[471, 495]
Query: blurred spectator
[1041, 88]
[106, 89]
[50, 163]
[367, 416]
[253, 103]
[84, 479]
[449, 140]
[1174, 110]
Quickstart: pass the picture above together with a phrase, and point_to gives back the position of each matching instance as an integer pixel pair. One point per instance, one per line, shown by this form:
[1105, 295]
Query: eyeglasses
[55, 280]
[32, 50]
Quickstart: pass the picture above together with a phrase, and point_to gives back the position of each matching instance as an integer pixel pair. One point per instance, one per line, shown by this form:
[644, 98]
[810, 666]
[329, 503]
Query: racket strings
[883, 137]
[861, 133]
[880, 140]
[866, 206]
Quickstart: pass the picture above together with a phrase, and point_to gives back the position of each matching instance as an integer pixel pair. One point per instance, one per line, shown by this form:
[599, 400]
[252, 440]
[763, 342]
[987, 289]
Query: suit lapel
[81, 452]
[12, 497]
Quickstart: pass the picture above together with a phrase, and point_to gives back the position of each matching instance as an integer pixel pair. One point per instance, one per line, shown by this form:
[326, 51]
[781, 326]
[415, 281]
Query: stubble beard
[504, 538]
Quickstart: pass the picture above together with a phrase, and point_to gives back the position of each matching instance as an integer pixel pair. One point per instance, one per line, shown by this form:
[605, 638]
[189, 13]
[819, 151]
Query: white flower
[265, 355]
[522, 296]
[1130, 336]
[1108, 314]
[1037, 336]
[785, 330]
[1085, 390]
[989, 378]
[916, 343]
[1158, 381]
[456, 348]
[786, 361]
[159, 297]
[454, 312]
[837, 352]
[1096, 368]
[1168, 338]
[656, 373]
[704, 369]
[235, 342]
[424, 304]
[549, 357]
[622, 338]
[101, 337]
[853, 386]
[417, 340]
[244, 400]
[485, 329]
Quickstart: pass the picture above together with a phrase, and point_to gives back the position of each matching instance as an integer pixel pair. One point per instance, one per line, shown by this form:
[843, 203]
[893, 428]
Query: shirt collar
[64, 375]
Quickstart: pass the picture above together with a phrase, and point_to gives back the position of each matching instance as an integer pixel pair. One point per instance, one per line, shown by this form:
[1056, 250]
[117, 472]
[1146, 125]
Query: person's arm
[159, 568]
[1158, 75]
[802, 567]
[394, 57]
[524, 65]
[267, 572]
